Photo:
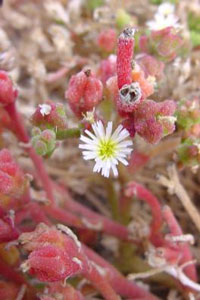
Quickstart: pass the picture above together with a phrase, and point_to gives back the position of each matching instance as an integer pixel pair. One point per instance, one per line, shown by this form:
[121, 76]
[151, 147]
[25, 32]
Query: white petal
[97, 128]
[86, 140]
[123, 161]
[91, 135]
[101, 130]
[114, 161]
[97, 167]
[124, 151]
[108, 130]
[105, 171]
[89, 155]
[114, 169]
[121, 154]
[125, 143]
[87, 147]
[122, 136]
[116, 132]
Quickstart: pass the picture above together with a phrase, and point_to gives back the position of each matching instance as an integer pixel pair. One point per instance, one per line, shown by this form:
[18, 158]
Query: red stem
[31, 210]
[108, 226]
[63, 216]
[23, 137]
[175, 230]
[135, 189]
[100, 283]
[119, 283]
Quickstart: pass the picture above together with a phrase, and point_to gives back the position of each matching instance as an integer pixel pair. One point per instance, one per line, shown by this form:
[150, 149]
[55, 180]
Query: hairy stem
[95, 220]
[135, 189]
[176, 230]
[120, 284]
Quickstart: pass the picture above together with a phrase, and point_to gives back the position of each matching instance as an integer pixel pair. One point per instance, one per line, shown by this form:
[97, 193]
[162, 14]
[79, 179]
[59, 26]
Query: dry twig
[175, 187]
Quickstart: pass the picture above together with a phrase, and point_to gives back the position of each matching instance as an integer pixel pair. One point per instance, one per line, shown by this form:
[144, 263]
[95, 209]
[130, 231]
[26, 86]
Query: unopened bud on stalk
[44, 142]
[8, 93]
[84, 92]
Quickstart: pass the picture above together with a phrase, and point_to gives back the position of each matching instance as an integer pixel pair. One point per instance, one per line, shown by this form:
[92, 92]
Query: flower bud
[144, 43]
[166, 42]
[112, 88]
[50, 263]
[189, 152]
[107, 68]
[12, 180]
[50, 116]
[155, 120]
[8, 93]
[188, 114]
[54, 256]
[84, 92]
[107, 39]
[151, 66]
[44, 142]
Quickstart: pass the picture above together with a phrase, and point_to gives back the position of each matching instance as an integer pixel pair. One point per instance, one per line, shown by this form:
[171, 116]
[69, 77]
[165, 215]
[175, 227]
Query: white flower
[164, 17]
[166, 9]
[161, 21]
[45, 109]
[105, 148]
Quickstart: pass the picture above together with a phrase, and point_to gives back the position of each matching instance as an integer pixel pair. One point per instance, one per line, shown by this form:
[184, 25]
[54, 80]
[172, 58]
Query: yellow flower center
[107, 149]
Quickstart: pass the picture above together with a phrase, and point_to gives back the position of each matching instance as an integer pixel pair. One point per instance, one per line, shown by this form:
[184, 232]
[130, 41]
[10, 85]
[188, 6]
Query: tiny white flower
[164, 17]
[166, 9]
[45, 109]
[161, 21]
[106, 148]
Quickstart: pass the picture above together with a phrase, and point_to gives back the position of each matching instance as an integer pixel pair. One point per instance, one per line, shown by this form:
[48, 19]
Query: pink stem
[120, 284]
[135, 189]
[63, 216]
[175, 230]
[23, 137]
[38, 214]
[124, 57]
[106, 225]
[100, 283]
[34, 211]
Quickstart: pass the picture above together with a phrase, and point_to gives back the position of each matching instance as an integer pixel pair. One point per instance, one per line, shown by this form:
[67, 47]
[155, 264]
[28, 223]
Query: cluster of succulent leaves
[164, 44]
[48, 128]
[188, 120]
